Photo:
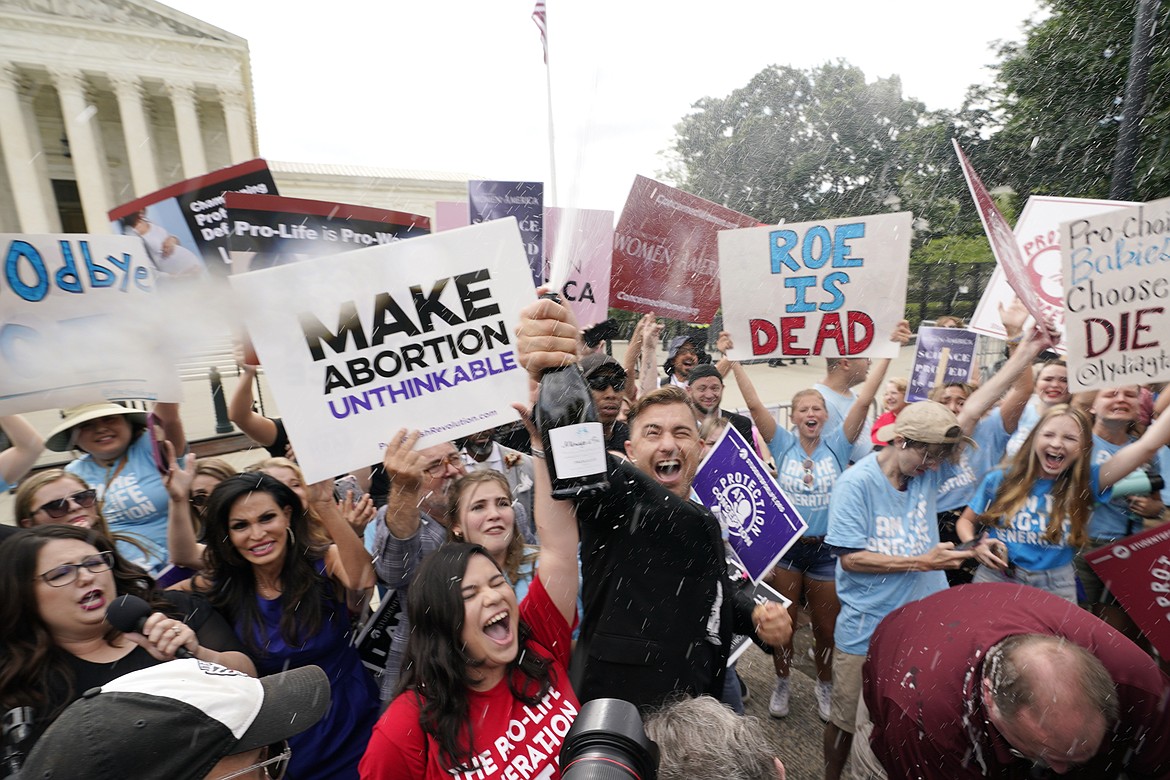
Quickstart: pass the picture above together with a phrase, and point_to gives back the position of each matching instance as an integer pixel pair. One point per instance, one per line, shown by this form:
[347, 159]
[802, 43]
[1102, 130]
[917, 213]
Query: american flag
[538, 16]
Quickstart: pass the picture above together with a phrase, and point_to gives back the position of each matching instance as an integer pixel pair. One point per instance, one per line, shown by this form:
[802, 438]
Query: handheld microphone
[129, 613]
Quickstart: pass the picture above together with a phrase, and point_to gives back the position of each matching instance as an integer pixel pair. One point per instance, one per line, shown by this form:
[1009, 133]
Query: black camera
[607, 742]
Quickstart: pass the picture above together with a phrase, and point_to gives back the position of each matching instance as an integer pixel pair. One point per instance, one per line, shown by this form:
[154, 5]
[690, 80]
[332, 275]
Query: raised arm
[855, 419]
[544, 340]
[1013, 316]
[255, 426]
[347, 560]
[184, 548]
[26, 448]
[633, 357]
[1131, 456]
[172, 425]
[991, 390]
[764, 421]
[648, 379]
[404, 467]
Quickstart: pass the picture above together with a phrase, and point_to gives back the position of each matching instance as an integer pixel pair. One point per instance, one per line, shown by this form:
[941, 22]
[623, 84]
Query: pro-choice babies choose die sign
[832, 288]
[414, 334]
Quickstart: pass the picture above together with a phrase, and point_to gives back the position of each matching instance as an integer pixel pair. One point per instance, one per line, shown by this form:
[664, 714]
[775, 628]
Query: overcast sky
[459, 85]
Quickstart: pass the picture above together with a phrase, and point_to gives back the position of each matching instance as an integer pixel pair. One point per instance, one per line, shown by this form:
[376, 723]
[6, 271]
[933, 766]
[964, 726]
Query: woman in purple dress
[287, 601]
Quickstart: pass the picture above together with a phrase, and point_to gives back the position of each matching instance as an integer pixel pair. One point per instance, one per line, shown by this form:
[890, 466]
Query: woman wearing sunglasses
[285, 595]
[56, 497]
[58, 581]
[120, 460]
[809, 458]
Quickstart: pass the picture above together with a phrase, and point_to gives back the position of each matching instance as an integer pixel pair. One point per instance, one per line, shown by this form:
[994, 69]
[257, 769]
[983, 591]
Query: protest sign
[450, 214]
[1037, 235]
[943, 356]
[735, 484]
[834, 288]
[665, 258]
[266, 231]
[580, 243]
[412, 334]
[760, 593]
[524, 200]
[1003, 243]
[185, 226]
[1117, 282]
[1136, 570]
[81, 320]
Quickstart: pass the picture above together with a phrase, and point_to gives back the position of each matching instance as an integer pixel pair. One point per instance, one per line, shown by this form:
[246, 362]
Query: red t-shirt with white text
[512, 740]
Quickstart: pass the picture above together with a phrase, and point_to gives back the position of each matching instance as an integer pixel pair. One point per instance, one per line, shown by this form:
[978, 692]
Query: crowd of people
[951, 529]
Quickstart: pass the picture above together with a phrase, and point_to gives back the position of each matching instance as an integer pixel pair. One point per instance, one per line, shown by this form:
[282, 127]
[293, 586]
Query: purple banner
[736, 485]
[524, 200]
[944, 355]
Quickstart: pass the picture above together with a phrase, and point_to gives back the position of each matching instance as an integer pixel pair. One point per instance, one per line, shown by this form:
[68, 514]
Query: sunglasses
[274, 767]
[199, 500]
[808, 477]
[66, 573]
[599, 383]
[60, 507]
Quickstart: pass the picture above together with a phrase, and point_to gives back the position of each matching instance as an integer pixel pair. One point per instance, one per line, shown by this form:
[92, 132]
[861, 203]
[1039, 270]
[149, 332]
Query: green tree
[796, 145]
[1054, 110]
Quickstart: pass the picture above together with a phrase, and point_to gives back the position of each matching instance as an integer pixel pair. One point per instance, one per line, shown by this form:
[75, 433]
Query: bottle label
[578, 450]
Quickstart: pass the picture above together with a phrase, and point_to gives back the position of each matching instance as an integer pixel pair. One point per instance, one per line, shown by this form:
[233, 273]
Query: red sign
[665, 254]
[1137, 571]
[1003, 244]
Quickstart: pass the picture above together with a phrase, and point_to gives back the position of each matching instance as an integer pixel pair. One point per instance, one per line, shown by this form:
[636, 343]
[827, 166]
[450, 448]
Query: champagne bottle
[573, 438]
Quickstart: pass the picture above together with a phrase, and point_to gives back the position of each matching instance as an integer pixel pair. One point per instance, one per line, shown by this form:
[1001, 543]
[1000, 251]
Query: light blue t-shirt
[974, 462]
[1111, 517]
[868, 513]
[838, 406]
[134, 502]
[1028, 419]
[1024, 533]
[829, 459]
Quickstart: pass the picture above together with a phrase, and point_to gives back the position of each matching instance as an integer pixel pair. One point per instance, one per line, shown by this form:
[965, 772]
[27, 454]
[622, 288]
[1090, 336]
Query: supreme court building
[102, 101]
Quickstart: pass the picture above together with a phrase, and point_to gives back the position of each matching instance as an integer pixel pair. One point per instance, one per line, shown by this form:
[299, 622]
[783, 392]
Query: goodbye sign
[80, 321]
[834, 288]
[413, 334]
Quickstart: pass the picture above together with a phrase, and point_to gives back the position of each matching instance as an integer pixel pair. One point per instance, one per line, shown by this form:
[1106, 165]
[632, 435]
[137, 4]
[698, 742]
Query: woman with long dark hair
[286, 597]
[478, 664]
[58, 581]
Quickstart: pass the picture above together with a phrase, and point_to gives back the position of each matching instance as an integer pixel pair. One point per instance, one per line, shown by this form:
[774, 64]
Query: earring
[292, 538]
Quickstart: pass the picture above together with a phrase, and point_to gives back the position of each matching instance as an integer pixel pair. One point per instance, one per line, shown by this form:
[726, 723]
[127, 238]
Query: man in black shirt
[705, 387]
[607, 382]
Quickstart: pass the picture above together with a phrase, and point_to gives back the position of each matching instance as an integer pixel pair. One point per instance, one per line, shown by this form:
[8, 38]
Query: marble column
[29, 188]
[136, 130]
[235, 114]
[81, 129]
[187, 125]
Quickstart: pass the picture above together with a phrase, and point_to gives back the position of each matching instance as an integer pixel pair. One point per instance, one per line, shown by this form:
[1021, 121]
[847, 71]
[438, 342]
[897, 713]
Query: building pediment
[131, 15]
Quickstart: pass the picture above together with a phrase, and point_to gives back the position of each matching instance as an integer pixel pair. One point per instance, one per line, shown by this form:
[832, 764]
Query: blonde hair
[25, 495]
[514, 556]
[1071, 489]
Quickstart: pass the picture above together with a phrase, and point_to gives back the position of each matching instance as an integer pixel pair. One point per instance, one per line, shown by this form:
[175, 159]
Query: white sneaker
[824, 693]
[778, 704]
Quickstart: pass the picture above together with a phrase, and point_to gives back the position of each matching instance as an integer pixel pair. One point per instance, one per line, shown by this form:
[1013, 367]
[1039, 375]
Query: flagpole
[552, 157]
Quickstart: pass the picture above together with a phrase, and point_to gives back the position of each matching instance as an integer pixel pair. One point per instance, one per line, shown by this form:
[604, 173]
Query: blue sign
[944, 356]
[524, 200]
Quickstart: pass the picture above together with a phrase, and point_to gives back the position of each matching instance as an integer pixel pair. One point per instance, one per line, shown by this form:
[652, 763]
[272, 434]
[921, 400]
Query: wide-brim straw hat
[61, 439]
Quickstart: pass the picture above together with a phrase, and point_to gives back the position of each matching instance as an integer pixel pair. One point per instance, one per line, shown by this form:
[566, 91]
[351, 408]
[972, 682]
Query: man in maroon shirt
[998, 680]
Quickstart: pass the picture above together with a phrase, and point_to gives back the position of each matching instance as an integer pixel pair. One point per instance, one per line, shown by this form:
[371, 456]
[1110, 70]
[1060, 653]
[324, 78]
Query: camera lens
[607, 742]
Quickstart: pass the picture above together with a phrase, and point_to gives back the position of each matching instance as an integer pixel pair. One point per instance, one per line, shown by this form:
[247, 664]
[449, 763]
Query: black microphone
[129, 613]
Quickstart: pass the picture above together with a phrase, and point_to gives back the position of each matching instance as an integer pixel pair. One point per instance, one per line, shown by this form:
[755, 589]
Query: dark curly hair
[31, 663]
[231, 580]
[435, 668]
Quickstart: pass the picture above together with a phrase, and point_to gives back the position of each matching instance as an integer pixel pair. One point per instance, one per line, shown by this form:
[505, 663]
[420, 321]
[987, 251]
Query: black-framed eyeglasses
[598, 383]
[59, 507]
[454, 460]
[66, 573]
[274, 766]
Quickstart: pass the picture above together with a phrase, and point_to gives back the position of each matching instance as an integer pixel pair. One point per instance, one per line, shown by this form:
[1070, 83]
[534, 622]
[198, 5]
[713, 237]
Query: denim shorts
[1061, 581]
[815, 560]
